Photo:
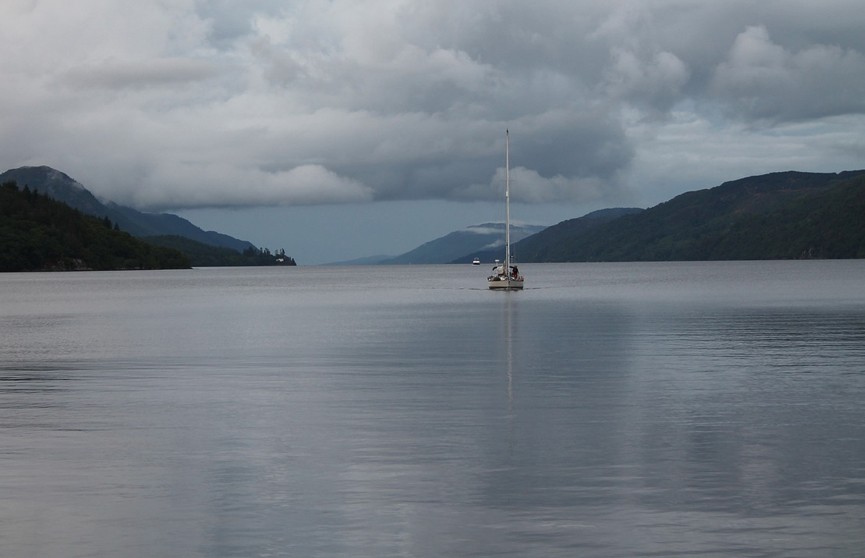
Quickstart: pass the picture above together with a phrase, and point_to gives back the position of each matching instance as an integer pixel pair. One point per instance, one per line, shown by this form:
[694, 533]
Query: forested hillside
[786, 215]
[204, 255]
[38, 233]
[63, 188]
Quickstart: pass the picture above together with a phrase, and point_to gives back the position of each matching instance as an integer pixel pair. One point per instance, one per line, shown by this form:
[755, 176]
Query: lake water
[608, 410]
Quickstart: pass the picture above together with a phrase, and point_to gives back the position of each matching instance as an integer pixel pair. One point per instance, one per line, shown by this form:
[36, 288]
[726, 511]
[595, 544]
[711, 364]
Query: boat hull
[506, 284]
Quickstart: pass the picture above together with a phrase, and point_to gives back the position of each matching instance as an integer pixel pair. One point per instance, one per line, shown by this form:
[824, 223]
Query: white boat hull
[505, 284]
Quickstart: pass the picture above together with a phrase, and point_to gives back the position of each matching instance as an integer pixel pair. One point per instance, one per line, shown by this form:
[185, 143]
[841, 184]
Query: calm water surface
[610, 410]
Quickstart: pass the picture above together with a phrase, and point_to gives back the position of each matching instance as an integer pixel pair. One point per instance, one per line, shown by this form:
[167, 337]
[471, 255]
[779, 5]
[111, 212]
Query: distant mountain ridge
[61, 187]
[462, 244]
[583, 223]
[784, 215]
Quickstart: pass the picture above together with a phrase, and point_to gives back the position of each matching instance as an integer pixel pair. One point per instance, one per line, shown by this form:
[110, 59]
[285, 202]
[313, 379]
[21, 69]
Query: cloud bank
[214, 103]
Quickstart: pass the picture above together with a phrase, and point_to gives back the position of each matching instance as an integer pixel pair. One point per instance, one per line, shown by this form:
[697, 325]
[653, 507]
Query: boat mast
[507, 202]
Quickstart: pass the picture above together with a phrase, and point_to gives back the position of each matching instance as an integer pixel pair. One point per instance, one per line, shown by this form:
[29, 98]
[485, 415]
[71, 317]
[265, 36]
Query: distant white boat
[506, 276]
[476, 261]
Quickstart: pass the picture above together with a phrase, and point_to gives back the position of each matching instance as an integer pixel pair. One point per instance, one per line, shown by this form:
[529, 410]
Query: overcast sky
[344, 128]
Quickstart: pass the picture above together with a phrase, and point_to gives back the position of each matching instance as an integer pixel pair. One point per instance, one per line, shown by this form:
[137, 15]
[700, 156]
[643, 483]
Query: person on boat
[516, 271]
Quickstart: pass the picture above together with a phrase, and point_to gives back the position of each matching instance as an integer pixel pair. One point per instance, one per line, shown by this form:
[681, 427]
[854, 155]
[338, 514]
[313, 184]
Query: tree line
[205, 255]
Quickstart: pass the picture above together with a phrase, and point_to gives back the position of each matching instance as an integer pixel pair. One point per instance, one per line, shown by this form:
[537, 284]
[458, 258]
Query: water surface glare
[608, 410]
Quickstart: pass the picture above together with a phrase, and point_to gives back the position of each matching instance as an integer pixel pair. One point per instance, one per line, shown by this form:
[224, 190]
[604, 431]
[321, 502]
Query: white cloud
[225, 185]
[528, 186]
[482, 230]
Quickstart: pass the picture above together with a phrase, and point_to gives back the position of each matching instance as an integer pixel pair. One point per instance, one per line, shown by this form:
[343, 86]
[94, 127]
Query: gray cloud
[156, 72]
[762, 79]
[220, 103]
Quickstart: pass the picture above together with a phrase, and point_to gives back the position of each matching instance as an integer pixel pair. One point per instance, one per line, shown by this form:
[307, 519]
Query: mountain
[62, 187]
[785, 215]
[565, 231]
[38, 233]
[458, 244]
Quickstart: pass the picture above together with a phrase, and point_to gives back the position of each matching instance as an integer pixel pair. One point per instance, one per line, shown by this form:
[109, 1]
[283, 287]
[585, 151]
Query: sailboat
[506, 276]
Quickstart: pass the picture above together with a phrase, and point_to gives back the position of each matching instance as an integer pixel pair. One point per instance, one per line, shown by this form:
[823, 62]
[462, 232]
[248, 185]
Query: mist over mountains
[464, 244]
[783, 215]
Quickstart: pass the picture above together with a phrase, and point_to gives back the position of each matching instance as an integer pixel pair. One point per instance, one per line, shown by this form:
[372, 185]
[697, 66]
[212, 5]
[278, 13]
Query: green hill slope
[63, 188]
[38, 233]
[784, 215]
[548, 244]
